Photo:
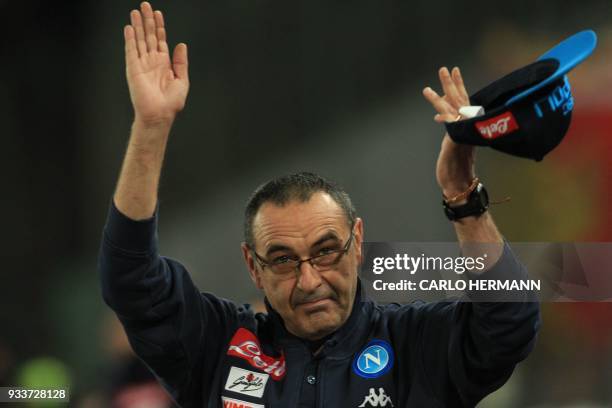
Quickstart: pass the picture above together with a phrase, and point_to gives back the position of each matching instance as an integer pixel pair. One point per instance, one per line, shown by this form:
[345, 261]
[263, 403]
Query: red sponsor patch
[245, 345]
[500, 125]
[232, 403]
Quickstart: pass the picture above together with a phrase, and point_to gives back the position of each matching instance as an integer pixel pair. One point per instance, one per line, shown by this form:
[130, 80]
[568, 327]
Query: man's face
[312, 303]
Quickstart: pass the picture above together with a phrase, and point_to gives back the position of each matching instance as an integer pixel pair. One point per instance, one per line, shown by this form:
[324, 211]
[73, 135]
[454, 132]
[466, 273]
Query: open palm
[455, 167]
[158, 85]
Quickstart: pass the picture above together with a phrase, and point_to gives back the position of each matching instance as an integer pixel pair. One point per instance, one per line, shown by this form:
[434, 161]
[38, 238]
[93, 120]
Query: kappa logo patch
[246, 346]
[233, 403]
[246, 382]
[376, 400]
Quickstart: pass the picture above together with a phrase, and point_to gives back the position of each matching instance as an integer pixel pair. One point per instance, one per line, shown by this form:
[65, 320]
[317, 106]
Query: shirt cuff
[507, 268]
[130, 235]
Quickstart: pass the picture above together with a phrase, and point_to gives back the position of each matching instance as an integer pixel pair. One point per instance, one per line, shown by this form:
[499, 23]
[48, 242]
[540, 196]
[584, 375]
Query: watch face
[483, 195]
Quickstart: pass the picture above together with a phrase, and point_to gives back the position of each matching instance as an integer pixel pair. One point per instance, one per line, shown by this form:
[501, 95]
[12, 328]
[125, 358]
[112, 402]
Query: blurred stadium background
[331, 87]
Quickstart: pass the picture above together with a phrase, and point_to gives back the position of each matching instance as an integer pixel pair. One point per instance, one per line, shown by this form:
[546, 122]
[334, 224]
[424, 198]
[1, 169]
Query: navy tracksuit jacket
[210, 352]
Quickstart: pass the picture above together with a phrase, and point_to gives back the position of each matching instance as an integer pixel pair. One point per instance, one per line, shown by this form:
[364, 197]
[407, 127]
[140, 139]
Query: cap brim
[570, 52]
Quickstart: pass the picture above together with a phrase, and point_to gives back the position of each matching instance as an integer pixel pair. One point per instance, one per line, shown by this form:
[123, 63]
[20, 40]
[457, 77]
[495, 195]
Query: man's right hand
[158, 86]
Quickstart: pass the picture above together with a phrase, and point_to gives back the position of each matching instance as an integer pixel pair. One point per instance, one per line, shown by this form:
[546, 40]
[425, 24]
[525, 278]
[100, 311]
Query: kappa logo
[376, 400]
[500, 125]
[233, 403]
[246, 382]
[245, 345]
[375, 360]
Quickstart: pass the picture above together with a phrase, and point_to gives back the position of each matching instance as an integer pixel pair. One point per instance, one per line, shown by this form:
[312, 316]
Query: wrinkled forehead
[298, 223]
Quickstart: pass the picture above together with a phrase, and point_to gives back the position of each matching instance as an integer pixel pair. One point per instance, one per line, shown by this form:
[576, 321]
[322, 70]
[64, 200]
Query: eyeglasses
[286, 265]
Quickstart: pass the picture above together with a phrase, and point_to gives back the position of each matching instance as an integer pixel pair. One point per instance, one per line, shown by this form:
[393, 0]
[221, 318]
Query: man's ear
[358, 231]
[251, 265]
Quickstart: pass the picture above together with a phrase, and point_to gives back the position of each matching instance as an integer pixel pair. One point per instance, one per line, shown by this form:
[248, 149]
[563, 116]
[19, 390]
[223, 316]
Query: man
[322, 342]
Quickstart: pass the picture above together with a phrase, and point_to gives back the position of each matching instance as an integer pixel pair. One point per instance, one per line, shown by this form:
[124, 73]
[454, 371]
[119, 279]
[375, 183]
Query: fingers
[455, 95]
[450, 90]
[448, 117]
[180, 61]
[131, 49]
[458, 79]
[136, 20]
[149, 26]
[446, 112]
[162, 45]
[149, 29]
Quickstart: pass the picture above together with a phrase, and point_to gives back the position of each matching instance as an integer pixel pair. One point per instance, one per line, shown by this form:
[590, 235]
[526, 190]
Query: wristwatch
[478, 203]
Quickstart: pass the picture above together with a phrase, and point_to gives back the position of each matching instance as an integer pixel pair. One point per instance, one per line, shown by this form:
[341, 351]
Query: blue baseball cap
[528, 111]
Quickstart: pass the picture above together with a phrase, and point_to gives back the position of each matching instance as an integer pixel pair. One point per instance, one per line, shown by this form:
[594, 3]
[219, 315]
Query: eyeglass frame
[298, 262]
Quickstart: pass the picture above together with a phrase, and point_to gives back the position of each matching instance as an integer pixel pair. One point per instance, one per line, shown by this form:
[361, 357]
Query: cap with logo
[528, 111]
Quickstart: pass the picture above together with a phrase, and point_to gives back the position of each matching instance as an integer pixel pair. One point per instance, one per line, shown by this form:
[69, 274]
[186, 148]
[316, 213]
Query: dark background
[330, 87]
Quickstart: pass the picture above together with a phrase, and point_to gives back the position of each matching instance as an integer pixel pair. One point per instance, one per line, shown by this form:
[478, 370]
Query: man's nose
[309, 278]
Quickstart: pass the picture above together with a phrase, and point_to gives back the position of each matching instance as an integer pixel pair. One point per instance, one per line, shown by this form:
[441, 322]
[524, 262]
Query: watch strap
[477, 204]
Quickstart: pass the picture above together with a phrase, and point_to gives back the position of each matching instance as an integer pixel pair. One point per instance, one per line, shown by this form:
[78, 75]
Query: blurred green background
[330, 87]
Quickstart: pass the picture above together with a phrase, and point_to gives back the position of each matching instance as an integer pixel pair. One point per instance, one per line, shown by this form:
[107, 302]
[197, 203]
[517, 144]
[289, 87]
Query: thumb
[180, 61]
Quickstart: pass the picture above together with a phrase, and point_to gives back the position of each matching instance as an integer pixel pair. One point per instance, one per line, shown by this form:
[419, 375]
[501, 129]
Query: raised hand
[455, 166]
[158, 86]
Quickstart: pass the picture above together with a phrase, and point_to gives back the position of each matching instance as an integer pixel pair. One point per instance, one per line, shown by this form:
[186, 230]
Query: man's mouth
[315, 304]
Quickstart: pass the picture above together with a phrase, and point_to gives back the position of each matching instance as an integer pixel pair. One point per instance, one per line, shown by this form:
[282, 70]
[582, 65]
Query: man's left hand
[455, 167]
